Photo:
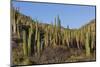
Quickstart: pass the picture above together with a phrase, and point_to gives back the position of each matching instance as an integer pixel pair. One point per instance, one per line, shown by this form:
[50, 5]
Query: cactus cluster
[50, 35]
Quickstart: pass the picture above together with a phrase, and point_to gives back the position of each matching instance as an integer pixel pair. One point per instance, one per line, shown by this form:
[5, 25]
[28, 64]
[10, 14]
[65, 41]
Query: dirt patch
[53, 55]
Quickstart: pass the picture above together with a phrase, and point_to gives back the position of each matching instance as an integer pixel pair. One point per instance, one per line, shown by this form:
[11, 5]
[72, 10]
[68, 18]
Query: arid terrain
[33, 42]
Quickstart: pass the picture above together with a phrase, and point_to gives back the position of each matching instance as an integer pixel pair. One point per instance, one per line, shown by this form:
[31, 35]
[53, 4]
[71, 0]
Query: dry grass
[59, 54]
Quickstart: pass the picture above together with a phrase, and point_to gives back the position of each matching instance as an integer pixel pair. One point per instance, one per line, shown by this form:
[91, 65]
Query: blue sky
[73, 15]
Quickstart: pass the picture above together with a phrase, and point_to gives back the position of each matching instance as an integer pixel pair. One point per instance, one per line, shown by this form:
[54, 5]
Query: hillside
[91, 24]
[34, 42]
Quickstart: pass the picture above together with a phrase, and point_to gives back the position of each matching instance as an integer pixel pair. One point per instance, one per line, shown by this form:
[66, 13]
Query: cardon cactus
[38, 44]
[77, 39]
[29, 39]
[46, 37]
[87, 45]
[24, 44]
[14, 23]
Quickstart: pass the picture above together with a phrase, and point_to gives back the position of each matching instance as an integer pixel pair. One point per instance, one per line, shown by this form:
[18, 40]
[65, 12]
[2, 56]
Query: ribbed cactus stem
[14, 24]
[24, 44]
[77, 39]
[17, 26]
[67, 38]
[36, 32]
[87, 47]
[46, 38]
[38, 44]
[29, 40]
[93, 40]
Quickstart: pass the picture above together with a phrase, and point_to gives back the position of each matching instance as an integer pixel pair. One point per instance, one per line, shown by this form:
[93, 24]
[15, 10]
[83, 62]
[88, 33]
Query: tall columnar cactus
[67, 38]
[64, 38]
[87, 45]
[77, 39]
[24, 44]
[29, 39]
[58, 30]
[93, 40]
[36, 32]
[58, 24]
[50, 35]
[38, 44]
[46, 37]
[17, 26]
[14, 23]
[92, 37]
[54, 34]
[37, 39]
[82, 38]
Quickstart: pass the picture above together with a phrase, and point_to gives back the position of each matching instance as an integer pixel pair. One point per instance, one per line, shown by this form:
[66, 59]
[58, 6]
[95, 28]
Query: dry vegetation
[37, 43]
